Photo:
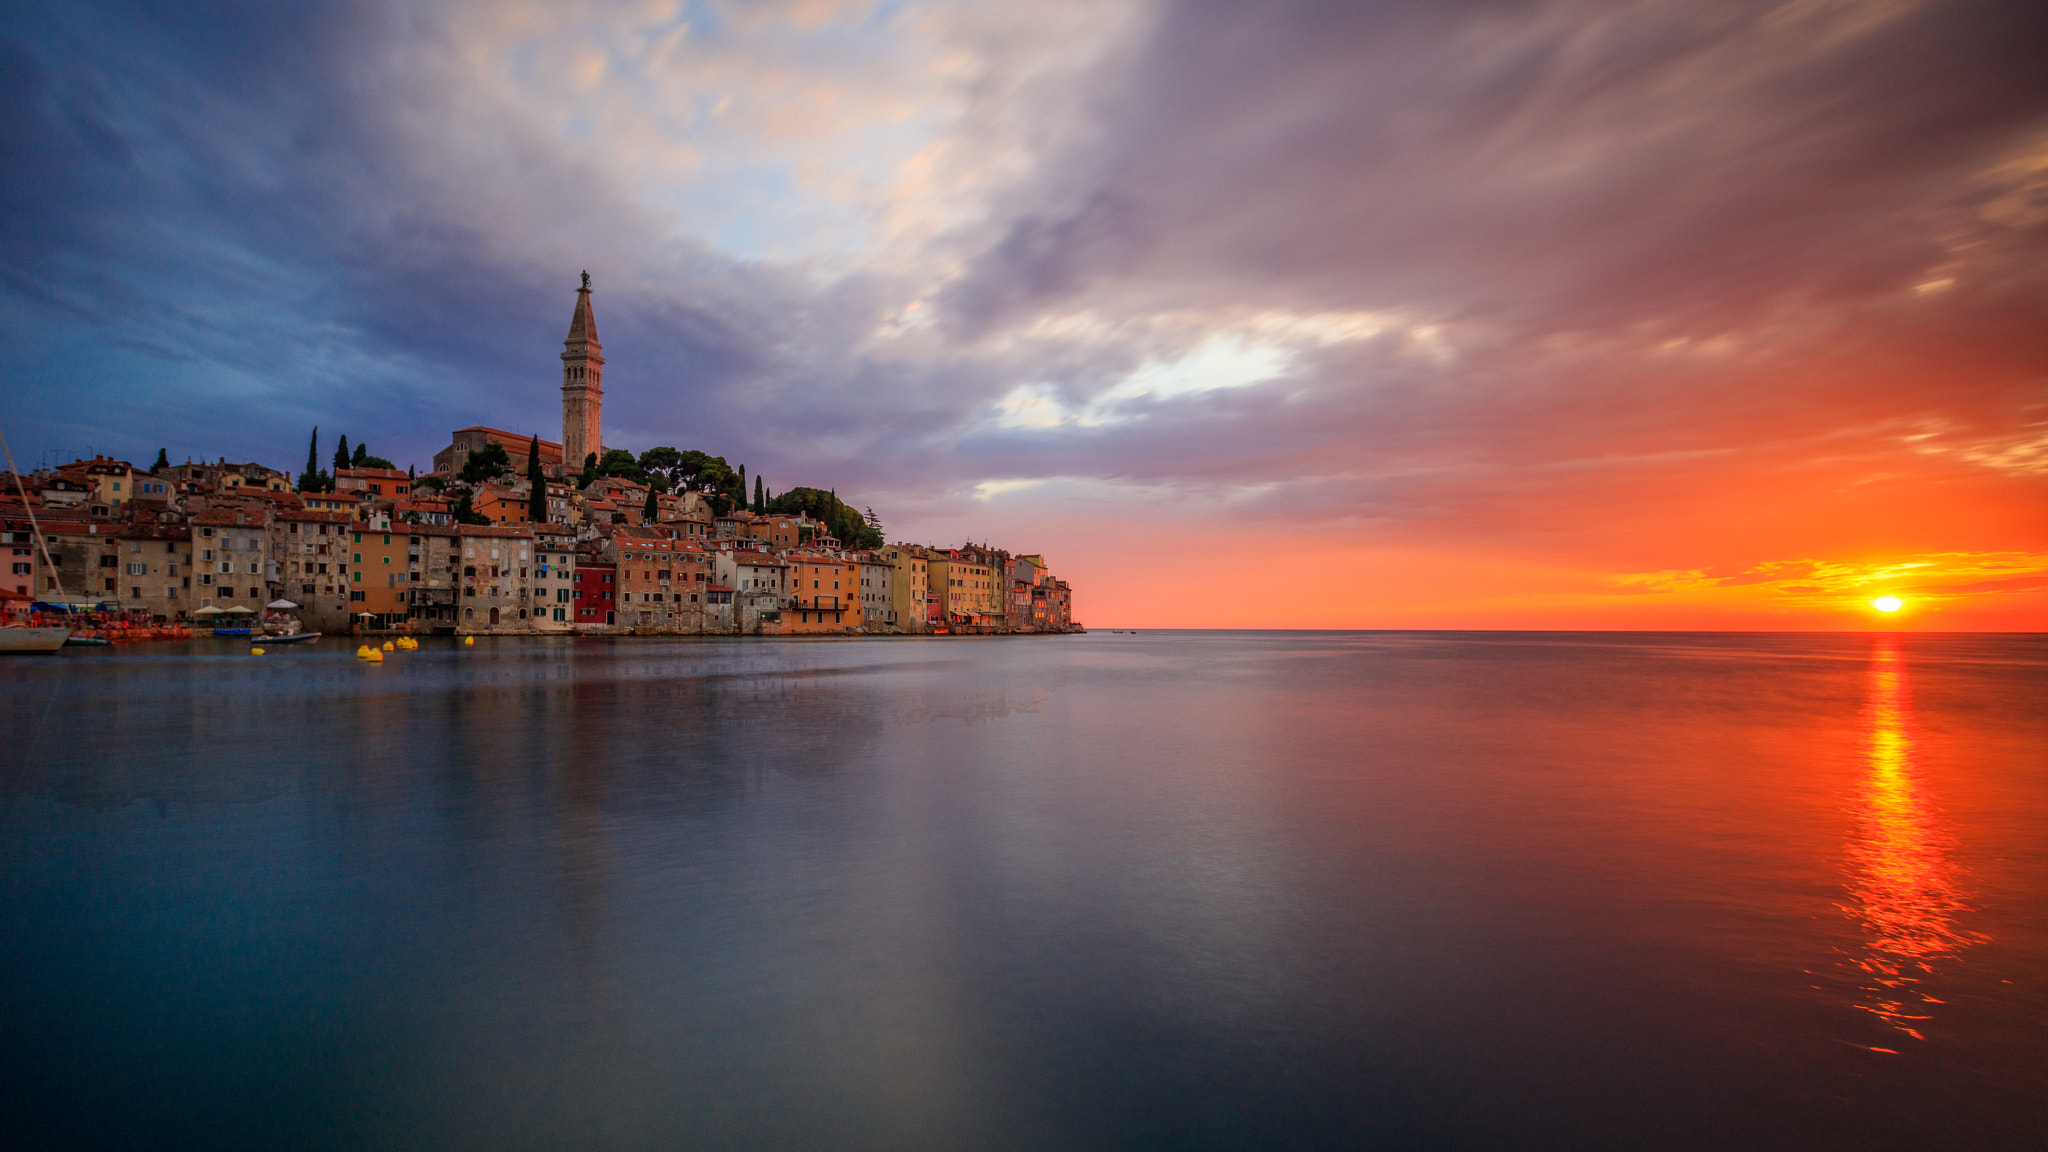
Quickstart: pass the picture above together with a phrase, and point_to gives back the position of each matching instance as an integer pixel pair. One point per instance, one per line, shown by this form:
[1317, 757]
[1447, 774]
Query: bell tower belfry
[582, 385]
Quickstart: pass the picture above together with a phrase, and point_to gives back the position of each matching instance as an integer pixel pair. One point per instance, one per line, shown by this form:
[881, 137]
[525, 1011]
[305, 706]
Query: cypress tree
[760, 500]
[163, 460]
[740, 498]
[648, 514]
[589, 471]
[306, 480]
[341, 454]
[362, 457]
[537, 500]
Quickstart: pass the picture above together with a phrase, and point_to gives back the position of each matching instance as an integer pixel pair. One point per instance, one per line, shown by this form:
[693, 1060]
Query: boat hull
[32, 640]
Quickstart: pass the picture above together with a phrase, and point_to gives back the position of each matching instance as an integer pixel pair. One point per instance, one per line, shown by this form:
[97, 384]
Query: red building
[596, 596]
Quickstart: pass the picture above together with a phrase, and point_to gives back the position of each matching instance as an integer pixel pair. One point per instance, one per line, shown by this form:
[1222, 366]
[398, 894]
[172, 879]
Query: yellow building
[910, 595]
[968, 582]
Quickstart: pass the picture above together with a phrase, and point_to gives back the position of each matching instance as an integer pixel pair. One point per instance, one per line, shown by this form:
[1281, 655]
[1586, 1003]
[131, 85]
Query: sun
[1887, 603]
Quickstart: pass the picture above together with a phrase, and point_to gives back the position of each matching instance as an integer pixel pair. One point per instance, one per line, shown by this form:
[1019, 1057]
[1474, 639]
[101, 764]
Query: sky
[1350, 314]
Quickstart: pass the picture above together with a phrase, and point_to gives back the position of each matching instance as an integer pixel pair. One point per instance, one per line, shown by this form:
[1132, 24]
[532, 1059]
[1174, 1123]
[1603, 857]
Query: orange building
[823, 594]
[377, 577]
[498, 504]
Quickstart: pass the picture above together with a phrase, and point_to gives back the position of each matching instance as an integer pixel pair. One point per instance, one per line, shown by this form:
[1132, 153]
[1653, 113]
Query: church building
[582, 407]
[582, 384]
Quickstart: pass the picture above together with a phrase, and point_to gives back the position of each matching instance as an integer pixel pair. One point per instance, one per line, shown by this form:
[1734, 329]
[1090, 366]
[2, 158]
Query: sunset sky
[1305, 315]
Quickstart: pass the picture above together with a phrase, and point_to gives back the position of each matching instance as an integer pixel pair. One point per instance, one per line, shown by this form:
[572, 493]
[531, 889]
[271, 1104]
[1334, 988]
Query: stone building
[231, 551]
[310, 551]
[155, 566]
[582, 384]
[554, 580]
[497, 578]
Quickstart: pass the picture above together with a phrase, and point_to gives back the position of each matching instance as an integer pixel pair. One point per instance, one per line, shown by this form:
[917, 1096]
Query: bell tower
[582, 385]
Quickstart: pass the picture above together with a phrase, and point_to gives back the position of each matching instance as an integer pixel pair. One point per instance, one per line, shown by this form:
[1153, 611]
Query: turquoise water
[1170, 890]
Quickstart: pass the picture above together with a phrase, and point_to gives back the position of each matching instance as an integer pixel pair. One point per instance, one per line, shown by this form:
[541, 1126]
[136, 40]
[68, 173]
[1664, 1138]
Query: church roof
[582, 325]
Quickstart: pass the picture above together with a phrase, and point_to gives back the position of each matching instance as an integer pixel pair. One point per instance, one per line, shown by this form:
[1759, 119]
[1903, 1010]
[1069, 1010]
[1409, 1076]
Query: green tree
[589, 471]
[308, 481]
[619, 462]
[663, 461]
[163, 461]
[465, 514]
[537, 500]
[486, 463]
[341, 454]
[429, 481]
[363, 459]
[652, 511]
[848, 526]
[760, 500]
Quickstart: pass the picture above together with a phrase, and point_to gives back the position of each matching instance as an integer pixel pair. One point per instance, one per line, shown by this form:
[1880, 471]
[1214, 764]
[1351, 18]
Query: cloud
[1660, 285]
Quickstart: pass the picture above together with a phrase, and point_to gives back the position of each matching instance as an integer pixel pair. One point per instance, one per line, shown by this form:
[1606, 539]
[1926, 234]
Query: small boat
[30, 640]
[231, 632]
[294, 638]
[87, 642]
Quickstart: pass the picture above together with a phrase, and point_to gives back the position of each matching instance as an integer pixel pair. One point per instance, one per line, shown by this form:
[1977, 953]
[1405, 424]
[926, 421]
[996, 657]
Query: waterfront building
[379, 576]
[876, 593]
[822, 593]
[18, 538]
[595, 596]
[758, 581]
[231, 550]
[310, 550]
[497, 563]
[554, 579]
[660, 581]
[909, 591]
[434, 585]
[155, 565]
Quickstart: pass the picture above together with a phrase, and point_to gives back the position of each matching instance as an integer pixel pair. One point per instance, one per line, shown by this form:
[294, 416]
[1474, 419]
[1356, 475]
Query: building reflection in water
[1902, 885]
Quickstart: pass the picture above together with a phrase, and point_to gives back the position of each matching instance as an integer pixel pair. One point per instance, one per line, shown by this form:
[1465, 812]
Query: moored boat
[32, 640]
[294, 638]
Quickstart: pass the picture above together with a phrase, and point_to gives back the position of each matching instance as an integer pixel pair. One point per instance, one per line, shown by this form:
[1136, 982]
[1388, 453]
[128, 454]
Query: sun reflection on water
[1902, 885]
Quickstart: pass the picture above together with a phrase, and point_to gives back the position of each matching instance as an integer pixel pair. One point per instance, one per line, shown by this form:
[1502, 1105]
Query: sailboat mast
[56, 578]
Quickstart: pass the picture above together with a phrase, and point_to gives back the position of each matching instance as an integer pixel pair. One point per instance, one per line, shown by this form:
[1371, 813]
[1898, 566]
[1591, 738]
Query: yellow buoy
[255, 651]
[389, 647]
[375, 657]
[468, 640]
[362, 651]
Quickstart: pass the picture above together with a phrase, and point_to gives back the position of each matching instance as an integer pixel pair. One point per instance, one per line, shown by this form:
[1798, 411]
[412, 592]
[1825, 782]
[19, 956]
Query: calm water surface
[1172, 890]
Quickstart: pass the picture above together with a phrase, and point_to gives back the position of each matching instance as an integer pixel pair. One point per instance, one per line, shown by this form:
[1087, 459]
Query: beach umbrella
[208, 611]
[238, 610]
[280, 604]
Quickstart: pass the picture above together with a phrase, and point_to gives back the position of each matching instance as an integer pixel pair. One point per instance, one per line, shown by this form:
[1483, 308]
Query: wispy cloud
[1643, 284]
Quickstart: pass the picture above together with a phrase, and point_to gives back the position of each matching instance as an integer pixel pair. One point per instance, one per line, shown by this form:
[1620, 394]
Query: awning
[280, 604]
[208, 611]
[73, 602]
[238, 610]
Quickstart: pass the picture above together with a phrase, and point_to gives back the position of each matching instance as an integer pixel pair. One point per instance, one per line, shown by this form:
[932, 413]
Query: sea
[1122, 890]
